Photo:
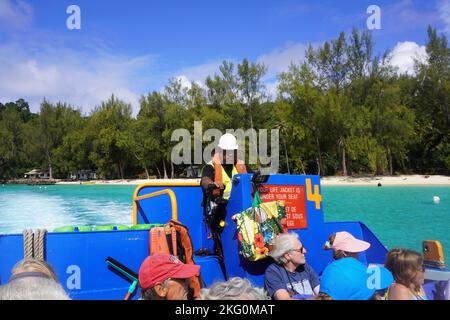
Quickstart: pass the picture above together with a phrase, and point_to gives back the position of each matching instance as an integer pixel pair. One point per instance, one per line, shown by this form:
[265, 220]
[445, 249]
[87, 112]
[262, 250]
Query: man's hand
[214, 186]
[219, 185]
[207, 183]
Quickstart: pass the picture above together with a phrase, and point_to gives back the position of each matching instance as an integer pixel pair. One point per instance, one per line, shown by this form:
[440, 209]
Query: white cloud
[404, 54]
[279, 59]
[444, 14]
[185, 82]
[15, 15]
[197, 73]
[58, 74]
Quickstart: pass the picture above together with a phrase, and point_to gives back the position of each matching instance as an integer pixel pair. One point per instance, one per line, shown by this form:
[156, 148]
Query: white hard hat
[228, 142]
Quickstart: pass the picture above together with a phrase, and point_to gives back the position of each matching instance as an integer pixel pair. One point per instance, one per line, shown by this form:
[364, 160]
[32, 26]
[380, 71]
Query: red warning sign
[294, 199]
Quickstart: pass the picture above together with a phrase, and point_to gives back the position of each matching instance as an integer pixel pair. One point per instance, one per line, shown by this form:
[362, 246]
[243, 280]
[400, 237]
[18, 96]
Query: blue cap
[347, 279]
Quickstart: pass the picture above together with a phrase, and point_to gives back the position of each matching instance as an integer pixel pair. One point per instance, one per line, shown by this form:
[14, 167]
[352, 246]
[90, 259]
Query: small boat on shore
[87, 182]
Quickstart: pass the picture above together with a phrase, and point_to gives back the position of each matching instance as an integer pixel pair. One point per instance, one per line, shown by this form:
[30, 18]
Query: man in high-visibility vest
[217, 183]
[219, 172]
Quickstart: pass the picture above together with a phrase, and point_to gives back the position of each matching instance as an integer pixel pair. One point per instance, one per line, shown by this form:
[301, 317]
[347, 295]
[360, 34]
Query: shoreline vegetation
[341, 111]
[400, 180]
[403, 180]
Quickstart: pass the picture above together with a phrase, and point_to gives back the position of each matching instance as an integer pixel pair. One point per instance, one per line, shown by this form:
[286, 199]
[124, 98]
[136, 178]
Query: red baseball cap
[161, 266]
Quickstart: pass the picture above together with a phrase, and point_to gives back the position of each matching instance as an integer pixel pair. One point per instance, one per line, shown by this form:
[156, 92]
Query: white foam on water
[37, 208]
[28, 210]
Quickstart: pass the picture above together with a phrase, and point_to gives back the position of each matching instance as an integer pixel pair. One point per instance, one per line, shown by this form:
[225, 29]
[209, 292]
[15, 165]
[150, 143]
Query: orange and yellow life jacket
[220, 175]
[174, 239]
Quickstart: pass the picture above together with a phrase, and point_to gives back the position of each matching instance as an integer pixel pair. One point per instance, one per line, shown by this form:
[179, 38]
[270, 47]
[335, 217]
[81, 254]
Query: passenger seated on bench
[234, 289]
[349, 279]
[408, 271]
[32, 279]
[344, 245]
[290, 277]
[164, 277]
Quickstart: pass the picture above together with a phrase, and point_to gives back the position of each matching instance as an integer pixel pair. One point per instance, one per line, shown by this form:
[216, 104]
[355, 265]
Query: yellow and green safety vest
[226, 180]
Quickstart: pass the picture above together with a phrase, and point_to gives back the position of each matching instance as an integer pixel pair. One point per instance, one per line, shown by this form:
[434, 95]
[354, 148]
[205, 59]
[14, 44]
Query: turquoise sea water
[399, 216]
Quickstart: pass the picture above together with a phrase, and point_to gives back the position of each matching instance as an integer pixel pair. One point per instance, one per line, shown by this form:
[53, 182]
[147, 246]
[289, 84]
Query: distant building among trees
[83, 175]
[37, 174]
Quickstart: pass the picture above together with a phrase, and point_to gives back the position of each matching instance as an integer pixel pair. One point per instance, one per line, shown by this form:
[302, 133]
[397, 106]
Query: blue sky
[132, 47]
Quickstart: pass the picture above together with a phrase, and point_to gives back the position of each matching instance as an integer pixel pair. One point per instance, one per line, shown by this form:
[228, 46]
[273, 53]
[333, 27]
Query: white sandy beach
[403, 180]
[129, 181]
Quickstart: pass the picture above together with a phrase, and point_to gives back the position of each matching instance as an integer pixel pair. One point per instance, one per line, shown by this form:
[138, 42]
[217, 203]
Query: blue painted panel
[377, 251]
[209, 269]
[87, 251]
[81, 256]
[11, 251]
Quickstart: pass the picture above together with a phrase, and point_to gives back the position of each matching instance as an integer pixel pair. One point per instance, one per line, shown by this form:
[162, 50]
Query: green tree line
[342, 111]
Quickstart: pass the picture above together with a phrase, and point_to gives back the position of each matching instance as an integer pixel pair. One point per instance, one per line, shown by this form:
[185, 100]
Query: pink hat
[346, 242]
[161, 266]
